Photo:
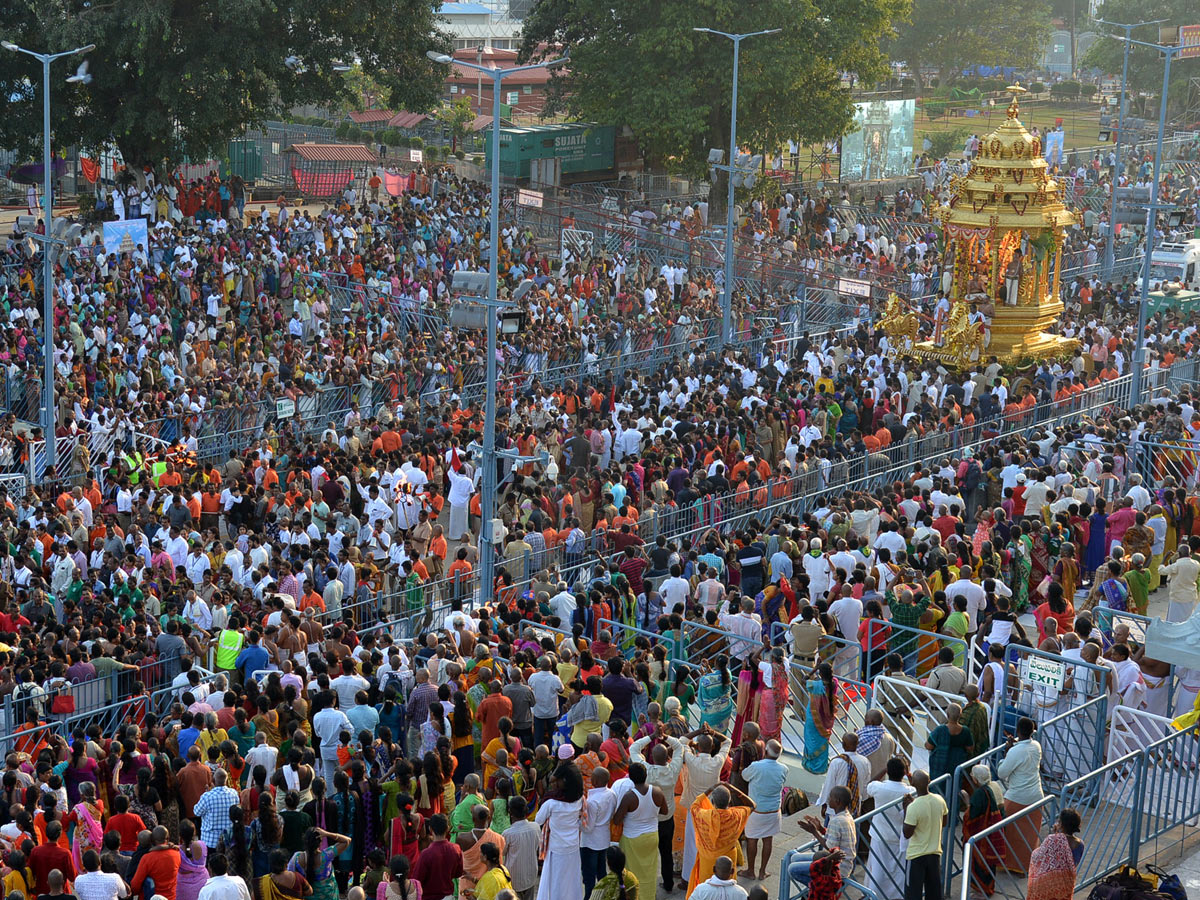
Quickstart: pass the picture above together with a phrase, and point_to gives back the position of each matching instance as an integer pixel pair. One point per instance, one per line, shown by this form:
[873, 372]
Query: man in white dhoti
[562, 866]
[886, 865]
[1157, 676]
[1181, 584]
[462, 486]
[1187, 690]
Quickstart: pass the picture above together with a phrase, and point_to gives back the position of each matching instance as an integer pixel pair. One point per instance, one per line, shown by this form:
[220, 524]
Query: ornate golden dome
[1008, 184]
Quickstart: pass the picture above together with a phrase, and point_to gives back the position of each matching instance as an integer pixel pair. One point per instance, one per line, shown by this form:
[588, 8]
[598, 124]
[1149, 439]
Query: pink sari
[88, 835]
[1052, 870]
[773, 704]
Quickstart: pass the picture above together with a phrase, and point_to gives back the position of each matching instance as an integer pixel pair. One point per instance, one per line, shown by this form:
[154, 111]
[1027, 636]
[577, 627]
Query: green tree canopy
[950, 35]
[176, 77]
[640, 64]
[1145, 65]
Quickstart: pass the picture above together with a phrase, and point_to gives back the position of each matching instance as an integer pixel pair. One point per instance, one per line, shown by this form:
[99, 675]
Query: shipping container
[580, 148]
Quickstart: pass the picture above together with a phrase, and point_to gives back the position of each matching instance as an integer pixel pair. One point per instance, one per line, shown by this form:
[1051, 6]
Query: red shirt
[490, 711]
[163, 867]
[436, 868]
[127, 825]
[45, 858]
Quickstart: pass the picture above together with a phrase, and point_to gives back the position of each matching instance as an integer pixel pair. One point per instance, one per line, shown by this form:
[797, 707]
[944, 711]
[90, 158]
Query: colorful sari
[89, 834]
[1052, 870]
[1114, 594]
[928, 643]
[818, 727]
[716, 706]
[1020, 568]
[746, 695]
[984, 810]
[1040, 559]
[1066, 573]
[773, 703]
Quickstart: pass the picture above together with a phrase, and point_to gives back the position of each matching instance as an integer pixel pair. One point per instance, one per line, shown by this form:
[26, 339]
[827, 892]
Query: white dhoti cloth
[763, 825]
[560, 876]
[1179, 612]
[1158, 695]
[458, 523]
[887, 871]
[689, 845]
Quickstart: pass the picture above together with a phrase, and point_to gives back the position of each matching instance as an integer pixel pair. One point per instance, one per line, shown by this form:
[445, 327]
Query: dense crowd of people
[259, 675]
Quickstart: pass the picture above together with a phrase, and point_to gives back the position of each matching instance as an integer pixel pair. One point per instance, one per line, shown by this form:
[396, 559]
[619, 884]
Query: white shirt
[839, 774]
[347, 686]
[601, 804]
[223, 887]
[100, 886]
[848, 612]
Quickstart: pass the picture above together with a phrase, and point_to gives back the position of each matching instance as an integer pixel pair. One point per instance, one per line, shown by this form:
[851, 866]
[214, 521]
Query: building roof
[465, 9]
[479, 123]
[406, 120]
[370, 116]
[333, 152]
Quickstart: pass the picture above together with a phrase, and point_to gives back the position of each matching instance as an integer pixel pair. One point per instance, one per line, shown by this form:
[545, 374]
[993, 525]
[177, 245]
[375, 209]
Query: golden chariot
[1003, 228]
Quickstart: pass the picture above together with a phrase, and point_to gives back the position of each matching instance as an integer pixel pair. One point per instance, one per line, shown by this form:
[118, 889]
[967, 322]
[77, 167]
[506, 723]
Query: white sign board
[529, 198]
[416, 156]
[285, 409]
[854, 287]
[1036, 671]
[513, 98]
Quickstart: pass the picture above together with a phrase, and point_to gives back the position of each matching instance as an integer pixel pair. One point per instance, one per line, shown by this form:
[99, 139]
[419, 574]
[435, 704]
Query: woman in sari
[983, 530]
[818, 723]
[316, 864]
[1041, 557]
[87, 815]
[1094, 556]
[749, 686]
[398, 886]
[404, 831]
[1053, 864]
[928, 645]
[619, 883]
[281, 883]
[773, 698]
[1020, 567]
[714, 689]
[984, 809]
[193, 857]
[1066, 572]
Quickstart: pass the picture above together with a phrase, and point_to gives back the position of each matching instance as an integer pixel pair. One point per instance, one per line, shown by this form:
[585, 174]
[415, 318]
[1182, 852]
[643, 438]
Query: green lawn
[1080, 121]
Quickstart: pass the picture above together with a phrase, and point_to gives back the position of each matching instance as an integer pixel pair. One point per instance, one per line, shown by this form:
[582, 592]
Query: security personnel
[229, 644]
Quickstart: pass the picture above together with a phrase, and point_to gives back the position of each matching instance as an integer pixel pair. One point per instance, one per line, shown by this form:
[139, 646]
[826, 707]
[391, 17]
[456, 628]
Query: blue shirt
[765, 779]
[252, 658]
[187, 737]
[364, 718]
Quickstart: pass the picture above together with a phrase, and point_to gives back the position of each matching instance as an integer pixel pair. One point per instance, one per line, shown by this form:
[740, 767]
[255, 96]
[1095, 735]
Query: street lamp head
[9, 45]
[704, 30]
[439, 58]
[88, 48]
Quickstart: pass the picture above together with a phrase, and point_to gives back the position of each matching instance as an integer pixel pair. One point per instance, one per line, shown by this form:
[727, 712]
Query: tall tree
[949, 36]
[176, 77]
[640, 64]
[1145, 65]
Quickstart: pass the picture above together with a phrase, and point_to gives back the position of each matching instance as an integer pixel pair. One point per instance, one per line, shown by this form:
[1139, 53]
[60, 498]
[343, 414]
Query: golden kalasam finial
[1016, 90]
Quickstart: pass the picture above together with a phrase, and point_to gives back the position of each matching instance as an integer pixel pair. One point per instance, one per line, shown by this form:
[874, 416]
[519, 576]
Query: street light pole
[727, 286]
[487, 500]
[1139, 346]
[48, 402]
[1110, 236]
